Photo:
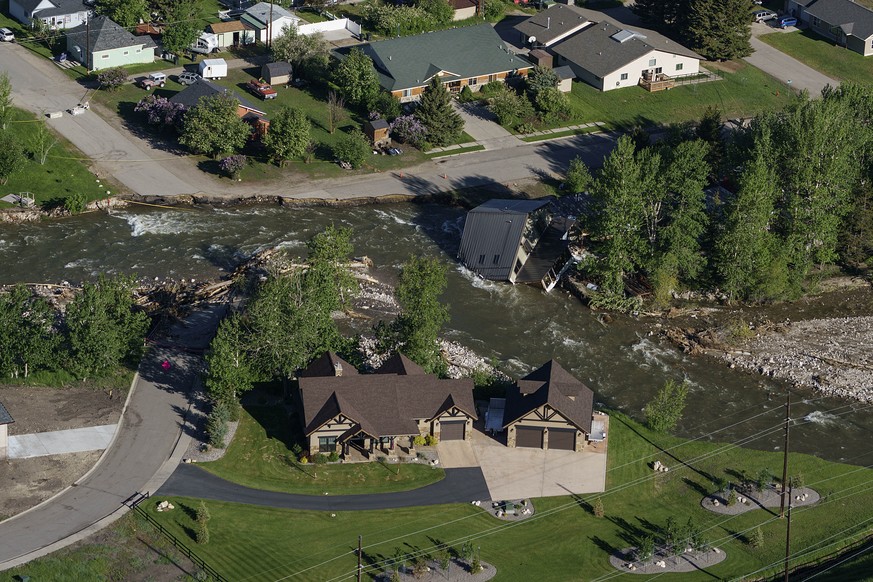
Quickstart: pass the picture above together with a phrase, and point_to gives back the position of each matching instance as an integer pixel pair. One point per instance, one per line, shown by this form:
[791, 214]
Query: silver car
[188, 78]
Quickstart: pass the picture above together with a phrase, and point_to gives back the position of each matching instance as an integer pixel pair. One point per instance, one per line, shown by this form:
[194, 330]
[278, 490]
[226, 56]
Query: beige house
[364, 415]
[550, 409]
[5, 420]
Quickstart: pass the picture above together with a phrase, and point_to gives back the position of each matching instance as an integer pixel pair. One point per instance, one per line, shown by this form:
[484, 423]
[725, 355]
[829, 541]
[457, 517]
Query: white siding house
[269, 21]
[56, 14]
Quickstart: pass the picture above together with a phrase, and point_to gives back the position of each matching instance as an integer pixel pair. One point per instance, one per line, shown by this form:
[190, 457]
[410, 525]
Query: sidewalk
[74, 440]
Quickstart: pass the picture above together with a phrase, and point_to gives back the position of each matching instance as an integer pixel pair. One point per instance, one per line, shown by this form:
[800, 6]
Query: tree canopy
[305, 52]
[289, 134]
[212, 127]
[356, 78]
[127, 13]
[443, 124]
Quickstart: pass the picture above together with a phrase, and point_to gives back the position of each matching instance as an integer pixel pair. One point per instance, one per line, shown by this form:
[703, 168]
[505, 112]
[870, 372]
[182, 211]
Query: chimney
[337, 369]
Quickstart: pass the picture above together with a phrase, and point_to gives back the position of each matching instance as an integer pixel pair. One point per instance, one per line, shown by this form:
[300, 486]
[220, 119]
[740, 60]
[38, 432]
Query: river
[518, 326]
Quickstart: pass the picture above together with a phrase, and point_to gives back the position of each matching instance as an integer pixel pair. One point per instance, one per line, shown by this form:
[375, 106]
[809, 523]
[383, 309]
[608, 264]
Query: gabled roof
[601, 49]
[853, 19]
[461, 4]
[328, 364]
[229, 26]
[59, 8]
[5, 417]
[411, 61]
[385, 404]
[400, 364]
[552, 385]
[29, 5]
[279, 68]
[565, 72]
[260, 12]
[191, 95]
[107, 35]
[557, 21]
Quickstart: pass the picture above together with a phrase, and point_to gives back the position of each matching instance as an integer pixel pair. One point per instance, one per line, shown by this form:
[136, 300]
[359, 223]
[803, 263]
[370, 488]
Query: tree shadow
[605, 546]
[165, 555]
[275, 423]
[629, 533]
[694, 485]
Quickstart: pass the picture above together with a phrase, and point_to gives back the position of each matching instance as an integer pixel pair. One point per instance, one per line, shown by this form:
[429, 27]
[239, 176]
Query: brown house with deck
[362, 415]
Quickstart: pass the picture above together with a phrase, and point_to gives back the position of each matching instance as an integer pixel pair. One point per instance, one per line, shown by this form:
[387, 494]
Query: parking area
[520, 473]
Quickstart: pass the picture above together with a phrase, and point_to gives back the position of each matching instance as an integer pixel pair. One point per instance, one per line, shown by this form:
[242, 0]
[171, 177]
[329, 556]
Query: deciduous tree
[212, 127]
[356, 78]
[183, 27]
[127, 13]
[27, 332]
[665, 409]
[12, 158]
[5, 100]
[352, 148]
[288, 135]
[307, 53]
[42, 141]
[229, 369]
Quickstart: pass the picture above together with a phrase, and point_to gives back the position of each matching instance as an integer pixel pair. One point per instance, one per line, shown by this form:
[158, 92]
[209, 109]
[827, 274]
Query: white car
[6, 35]
[764, 15]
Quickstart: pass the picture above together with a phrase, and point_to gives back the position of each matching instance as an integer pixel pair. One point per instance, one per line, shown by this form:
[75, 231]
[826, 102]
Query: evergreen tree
[709, 129]
[288, 135]
[444, 125]
[720, 29]
[660, 15]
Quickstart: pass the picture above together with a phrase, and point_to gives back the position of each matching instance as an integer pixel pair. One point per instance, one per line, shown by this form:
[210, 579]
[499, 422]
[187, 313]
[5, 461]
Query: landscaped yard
[260, 457]
[823, 55]
[564, 541]
[744, 91]
[64, 173]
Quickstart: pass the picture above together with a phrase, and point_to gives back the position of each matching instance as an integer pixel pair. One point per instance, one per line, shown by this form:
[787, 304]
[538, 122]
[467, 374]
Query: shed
[540, 58]
[565, 78]
[278, 73]
[232, 33]
[5, 419]
[377, 131]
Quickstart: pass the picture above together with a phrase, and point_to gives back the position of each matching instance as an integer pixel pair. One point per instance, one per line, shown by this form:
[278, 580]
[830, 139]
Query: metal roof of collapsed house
[5, 417]
[553, 385]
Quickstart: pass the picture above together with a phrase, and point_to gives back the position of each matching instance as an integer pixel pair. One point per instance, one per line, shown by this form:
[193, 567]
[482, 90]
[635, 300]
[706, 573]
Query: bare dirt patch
[726, 66]
[28, 482]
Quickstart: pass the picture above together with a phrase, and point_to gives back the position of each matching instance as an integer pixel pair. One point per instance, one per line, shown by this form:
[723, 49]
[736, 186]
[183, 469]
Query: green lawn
[260, 457]
[745, 92]
[64, 173]
[823, 55]
[564, 541]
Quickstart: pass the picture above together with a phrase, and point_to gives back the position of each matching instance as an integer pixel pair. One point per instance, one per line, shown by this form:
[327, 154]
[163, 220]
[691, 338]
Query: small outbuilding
[377, 130]
[565, 78]
[232, 33]
[278, 73]
[5, 419]
[541, 58]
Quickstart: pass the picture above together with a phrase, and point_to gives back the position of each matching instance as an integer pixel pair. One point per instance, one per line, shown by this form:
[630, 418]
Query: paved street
[139, 459]
[784, 67]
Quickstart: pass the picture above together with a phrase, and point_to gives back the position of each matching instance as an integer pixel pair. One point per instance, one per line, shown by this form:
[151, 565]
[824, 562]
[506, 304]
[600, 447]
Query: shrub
[418, 441]
[319, 459]
[304, 460]
[756, 539]
[764, 478]
[352, 148]
[231, 166]
[161, 111]
[578, 176]
[408, 129]
[296, 450]
[75, 203]
[732, 498]
[431, 440]
[665, 409]
[475, 566]
[796, 481]
[491, 89]
[112, 79]
[645, 548]
[333, 457]
[598, 508]
[525, 128]
[494, 9]
[386, 105]
[466, 95]
[419, 567]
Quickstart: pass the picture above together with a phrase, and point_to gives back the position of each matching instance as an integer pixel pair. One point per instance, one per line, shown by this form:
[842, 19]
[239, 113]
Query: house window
[407, 92]
[473, 81]
[517, 266]
[496, 259]
[126, 53]
[624, 76]
[481, 259]
[492, 78]
[326, 444]
[679, 66]
[104, 56]
[653, 62]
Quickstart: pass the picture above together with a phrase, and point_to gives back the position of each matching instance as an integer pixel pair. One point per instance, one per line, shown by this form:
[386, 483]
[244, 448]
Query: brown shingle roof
[461, 4]
[326, 365]
[553, 385]
[400, 364]
[229, 26]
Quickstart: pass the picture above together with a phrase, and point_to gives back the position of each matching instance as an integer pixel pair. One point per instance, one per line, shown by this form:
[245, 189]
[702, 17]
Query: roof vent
[390, 58]
[337, 369]
[626, 35]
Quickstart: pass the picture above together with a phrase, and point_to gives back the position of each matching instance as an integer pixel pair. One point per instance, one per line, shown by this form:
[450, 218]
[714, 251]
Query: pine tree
[660, 15]
[444, 125]
[720, 29]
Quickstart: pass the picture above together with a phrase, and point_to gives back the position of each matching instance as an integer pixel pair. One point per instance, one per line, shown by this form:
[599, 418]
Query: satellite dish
[532, 39]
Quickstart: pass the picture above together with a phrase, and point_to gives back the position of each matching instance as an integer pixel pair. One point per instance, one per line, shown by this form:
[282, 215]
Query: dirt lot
[27, 482]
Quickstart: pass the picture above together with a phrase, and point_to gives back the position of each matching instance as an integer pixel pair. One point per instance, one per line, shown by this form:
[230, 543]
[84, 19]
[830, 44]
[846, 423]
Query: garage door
[563, 439]
[452, 430]
[527, 436]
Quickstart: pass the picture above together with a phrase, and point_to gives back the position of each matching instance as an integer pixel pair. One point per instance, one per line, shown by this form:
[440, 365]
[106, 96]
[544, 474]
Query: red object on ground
[165, 365]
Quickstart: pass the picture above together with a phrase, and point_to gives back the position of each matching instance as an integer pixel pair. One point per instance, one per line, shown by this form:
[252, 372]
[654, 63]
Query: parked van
[786, 21]
[6, 35]
[763, 15]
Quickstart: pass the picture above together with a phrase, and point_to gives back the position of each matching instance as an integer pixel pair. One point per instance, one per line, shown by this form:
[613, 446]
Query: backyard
[260, 456]
[823, 55]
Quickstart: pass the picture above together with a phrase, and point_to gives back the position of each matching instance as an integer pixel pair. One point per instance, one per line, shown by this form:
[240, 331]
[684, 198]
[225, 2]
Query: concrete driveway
[483, 127]
[519, 473]
[783, 67]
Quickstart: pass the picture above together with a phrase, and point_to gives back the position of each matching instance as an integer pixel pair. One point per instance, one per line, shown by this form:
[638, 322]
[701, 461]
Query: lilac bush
[161, 111]
[233, 165]
[112, 79]
[408, 129]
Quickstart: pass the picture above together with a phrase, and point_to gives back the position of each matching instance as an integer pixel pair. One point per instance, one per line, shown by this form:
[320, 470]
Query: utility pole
[785, 455]
[788, 535]
[360, 571]
[270, 27]
[87, 45]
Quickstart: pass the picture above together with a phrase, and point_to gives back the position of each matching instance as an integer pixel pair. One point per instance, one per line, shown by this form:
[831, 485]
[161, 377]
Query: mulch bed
[688, 562]
[768, 498]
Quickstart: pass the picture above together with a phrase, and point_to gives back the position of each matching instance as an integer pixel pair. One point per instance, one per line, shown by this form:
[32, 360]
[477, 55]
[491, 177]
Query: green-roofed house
[106, 44]
[467, 56]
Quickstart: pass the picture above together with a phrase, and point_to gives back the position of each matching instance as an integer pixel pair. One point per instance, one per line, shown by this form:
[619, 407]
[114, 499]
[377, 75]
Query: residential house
[519, 241]
[464, 9]
[278, 73]
[269, 20]
[468, 56]
[550, 409]
[193, 93]
[232, 33]
[56, 14]
[554, 24]
[363, 415]
[104, 44]
[5, 420]
[843, 21]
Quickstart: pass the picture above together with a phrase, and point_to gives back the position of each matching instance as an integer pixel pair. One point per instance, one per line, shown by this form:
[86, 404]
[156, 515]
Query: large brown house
[549, 409]
[380, 414]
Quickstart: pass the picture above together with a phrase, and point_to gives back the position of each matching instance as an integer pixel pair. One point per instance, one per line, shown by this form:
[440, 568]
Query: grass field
[823, 55]
[64, 173]
[260, 457]
[564, 541]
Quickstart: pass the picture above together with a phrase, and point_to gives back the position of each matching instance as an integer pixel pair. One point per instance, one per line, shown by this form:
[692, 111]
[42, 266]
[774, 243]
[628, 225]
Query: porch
[361, 449]
[652, 82]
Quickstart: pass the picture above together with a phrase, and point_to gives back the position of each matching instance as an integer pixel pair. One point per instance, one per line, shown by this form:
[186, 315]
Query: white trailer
[207, 43]
[213, 68]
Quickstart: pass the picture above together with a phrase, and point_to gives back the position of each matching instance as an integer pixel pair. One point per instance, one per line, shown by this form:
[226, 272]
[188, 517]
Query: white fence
[330, 26]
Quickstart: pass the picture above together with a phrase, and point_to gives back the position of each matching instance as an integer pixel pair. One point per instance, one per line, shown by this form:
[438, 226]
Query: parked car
[262, 90]
[152, 81]
[6, 35]
[188, 78]
[764, 15]
[786, 21]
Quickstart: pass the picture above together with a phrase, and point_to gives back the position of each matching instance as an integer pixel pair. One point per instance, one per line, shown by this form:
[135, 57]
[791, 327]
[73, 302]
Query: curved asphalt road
[149, 438]
[459, 486]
